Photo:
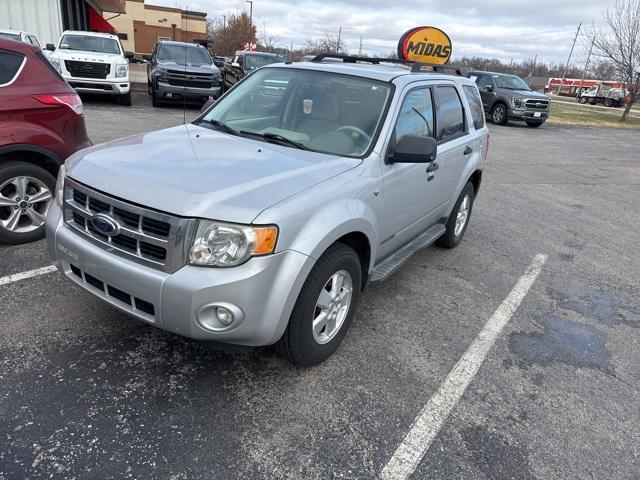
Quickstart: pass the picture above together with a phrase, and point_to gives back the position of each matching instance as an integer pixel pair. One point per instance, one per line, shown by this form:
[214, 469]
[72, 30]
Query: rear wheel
[26, 192]
[608, 102]
[459, 218]
[499, 114]
[325, 307]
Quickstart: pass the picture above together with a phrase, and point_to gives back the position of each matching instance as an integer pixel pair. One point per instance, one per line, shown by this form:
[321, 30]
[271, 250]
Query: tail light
[70, 100]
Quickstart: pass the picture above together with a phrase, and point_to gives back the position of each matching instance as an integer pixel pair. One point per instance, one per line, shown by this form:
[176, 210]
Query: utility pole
[360, 50]
[566, 67]
[586, 66]
[511, 65]
[250, 23]
[224, 26]
[339, 36]
[533, 68]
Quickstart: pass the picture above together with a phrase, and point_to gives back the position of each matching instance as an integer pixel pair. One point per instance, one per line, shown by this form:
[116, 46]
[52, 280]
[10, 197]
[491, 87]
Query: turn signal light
[265, 240]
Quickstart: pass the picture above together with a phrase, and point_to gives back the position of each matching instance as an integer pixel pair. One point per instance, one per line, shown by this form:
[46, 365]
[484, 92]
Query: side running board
[389, 265]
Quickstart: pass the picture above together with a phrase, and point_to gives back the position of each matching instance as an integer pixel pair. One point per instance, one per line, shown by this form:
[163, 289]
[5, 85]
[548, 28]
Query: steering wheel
[357, 134]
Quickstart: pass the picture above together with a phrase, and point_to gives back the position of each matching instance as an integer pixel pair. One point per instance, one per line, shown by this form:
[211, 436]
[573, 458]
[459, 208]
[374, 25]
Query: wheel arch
[36, 155]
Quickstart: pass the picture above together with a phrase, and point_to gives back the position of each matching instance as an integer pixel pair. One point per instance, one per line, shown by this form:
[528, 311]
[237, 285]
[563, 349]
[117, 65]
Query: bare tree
[618, 42]
[327, 44]
[268, 42]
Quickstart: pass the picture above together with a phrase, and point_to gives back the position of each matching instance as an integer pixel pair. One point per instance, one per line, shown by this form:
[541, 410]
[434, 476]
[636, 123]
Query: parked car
[262, 221]
[507, 97]
[245, 62]
[182, 71]
[93, 63]
[20, 36]
[41, 124]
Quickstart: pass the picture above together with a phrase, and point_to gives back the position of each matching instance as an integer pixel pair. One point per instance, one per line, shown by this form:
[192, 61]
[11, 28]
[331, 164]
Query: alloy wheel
[24, 203]
[462, 216]
[332, 306]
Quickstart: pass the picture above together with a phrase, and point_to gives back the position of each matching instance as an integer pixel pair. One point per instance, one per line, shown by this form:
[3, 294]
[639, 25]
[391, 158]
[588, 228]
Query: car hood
[193, 171]
[189, 68]
[528, 94]
[81, 56]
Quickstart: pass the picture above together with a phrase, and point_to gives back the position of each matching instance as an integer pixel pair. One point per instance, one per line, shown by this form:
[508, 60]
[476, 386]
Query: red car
[41, 124]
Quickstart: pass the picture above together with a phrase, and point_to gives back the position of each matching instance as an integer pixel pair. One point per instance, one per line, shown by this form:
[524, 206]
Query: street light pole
[250, 22]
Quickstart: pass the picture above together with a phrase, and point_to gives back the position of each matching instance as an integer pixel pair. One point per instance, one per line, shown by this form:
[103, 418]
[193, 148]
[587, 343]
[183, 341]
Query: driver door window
[416, 114]
[484, 82]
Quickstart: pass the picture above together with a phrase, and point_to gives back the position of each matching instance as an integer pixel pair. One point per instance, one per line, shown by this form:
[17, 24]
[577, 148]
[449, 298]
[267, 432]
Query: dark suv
[41, 124]
[244, 63]
[182, 71]
[507, 97]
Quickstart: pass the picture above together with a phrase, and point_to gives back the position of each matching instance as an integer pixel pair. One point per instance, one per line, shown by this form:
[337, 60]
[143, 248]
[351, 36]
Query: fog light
[224, 315]
[219, 316]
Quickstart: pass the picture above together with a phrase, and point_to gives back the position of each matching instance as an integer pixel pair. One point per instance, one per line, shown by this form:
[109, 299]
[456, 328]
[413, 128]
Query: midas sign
[425, 44]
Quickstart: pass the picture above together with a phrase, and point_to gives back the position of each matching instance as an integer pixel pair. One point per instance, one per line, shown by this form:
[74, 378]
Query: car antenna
[185, 37]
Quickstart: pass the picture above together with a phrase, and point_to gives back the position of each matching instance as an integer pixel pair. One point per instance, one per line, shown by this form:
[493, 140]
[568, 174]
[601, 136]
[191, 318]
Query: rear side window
[484, 81]
[450, 114]
[10, 65]
[475, 105]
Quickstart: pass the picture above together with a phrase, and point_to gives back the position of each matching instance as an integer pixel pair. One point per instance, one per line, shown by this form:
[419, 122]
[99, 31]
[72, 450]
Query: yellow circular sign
[425, 44]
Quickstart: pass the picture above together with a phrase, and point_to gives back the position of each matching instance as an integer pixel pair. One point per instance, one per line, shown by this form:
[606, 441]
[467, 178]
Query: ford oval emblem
[105, 225]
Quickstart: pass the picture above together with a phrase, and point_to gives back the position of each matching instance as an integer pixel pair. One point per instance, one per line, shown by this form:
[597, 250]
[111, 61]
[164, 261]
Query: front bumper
[172, 92]
[528, 115]
[107, 86]
[265, 289]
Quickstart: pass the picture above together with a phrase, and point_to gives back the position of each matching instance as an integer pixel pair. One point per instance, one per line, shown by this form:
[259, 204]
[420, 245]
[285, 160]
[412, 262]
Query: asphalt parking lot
[88, 393]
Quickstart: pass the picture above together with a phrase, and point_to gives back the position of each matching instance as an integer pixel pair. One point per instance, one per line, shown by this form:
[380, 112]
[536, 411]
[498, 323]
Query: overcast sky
[500, 28]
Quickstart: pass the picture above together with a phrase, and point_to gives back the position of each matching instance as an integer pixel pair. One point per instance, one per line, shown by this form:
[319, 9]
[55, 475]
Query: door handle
[433, 167]
[468, 150]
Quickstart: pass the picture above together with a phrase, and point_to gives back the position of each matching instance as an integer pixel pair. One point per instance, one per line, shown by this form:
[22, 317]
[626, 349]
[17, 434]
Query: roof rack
[416, 67]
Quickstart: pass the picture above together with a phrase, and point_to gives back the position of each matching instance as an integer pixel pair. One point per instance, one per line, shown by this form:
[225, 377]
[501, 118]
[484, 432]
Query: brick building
[143, 25]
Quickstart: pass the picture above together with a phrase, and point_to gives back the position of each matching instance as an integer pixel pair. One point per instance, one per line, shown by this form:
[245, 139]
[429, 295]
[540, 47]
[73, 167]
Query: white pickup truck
[93, 63]
[610, 97]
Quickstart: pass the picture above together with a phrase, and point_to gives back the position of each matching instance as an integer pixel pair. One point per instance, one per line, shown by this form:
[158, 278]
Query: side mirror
[128, 54]
[50, 46]
[235, 65]
[147, 57]
[488, 88]
[414, 149]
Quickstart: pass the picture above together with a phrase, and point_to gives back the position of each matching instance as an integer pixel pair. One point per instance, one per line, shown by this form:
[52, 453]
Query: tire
[499, 114]
[39, 180]
[608, 102]
[450, 238]
[583, 100]
[534, 124]
[125, 99]
[299, 344]
[154, 99]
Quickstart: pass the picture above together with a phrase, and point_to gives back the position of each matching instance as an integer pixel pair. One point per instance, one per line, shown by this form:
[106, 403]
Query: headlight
[122, 70]
[517, 102]
[226, 245]
[56, 64]
[62, 174]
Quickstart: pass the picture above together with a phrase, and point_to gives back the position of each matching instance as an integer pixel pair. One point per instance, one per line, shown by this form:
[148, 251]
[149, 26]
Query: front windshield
[320, 111]
[89, 43]
[10, 36]
[252, 62]
[510, 82]
[193, 55]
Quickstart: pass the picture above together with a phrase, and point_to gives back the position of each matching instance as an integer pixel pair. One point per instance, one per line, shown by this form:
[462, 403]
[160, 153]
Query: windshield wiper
[221, 126]
[274, 137]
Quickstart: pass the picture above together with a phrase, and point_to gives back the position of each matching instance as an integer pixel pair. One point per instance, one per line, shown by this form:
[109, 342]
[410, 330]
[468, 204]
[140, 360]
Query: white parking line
[428, 423]
[16, 277]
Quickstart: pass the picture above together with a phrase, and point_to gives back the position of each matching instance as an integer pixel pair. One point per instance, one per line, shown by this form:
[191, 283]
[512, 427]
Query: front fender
[334, 220]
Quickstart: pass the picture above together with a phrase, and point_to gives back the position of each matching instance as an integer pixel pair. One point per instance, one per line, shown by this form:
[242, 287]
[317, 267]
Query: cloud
[500, 28]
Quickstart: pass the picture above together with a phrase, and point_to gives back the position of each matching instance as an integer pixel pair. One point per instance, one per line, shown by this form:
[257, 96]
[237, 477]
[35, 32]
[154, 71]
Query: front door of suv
[410, 202]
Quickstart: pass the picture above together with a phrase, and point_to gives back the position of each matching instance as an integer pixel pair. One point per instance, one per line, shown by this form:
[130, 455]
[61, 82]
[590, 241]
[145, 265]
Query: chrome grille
[536, 104]
[145, 236]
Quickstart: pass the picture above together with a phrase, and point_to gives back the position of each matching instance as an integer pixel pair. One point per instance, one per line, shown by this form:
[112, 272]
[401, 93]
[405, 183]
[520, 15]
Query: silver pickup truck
[261, 222]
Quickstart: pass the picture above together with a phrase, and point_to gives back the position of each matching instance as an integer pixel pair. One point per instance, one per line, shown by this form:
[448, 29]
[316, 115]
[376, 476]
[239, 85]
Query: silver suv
[261, 222]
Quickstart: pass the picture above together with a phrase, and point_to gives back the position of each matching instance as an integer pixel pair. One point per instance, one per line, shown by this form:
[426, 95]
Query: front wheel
[583, 100]
[125, 99]
[534, 124]
[499, 114]
[26, 193]
[325, 307]
[459, 218]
